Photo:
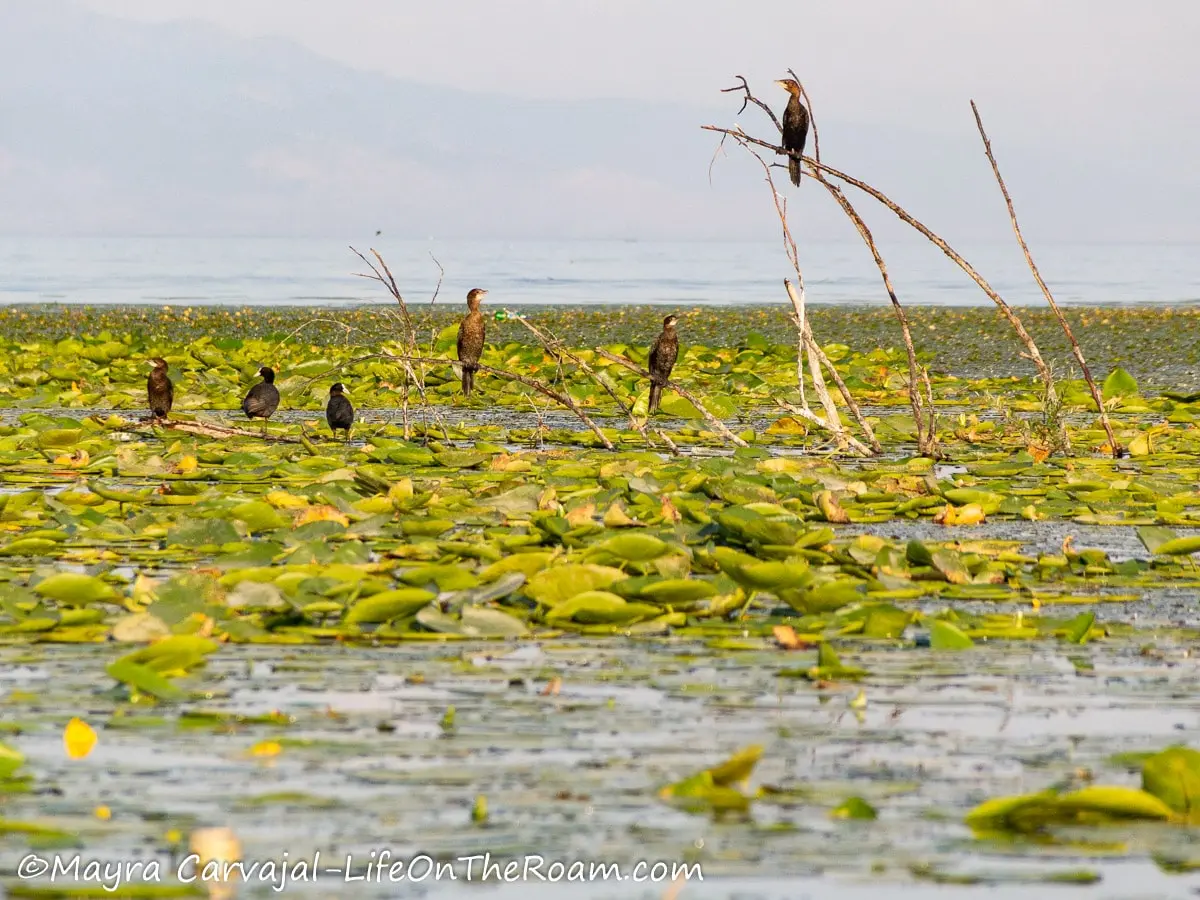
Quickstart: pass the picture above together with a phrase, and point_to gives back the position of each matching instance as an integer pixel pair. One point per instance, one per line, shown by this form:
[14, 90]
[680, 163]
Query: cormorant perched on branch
[159, 390]
[339, 413]
[263, 399]
[662, 360]
[795, 126]
[471, 335]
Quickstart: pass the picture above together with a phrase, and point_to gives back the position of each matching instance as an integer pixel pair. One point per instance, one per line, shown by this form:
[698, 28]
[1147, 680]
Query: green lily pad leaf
[139, 628]
[487, 622]
[951, 565]
[528, 564]
[1115, 802]
[553, 586]
[634, 547]
[918, 554]
[1173, 776]
[177, 653]
[145, 679]
[753, 528]
[945, 636]
[854, 808]
[258, 516]
[716, 788]
[1183, 546]
[886, 622]
[519, 501]
[1096, 804]
[10, 761]
[1119, 383]
[989, 501]
[678, 591]
[75, 589]
[1154, 536]
[203, 533]
[447, 577]
[460, 459]
[600, 608]
[388, 605]
[59, 437]
[1080, 627]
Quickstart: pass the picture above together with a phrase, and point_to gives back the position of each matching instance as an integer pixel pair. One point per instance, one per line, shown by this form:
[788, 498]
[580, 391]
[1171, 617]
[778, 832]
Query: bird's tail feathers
[655, 396]
[794, 170]
[468, 380]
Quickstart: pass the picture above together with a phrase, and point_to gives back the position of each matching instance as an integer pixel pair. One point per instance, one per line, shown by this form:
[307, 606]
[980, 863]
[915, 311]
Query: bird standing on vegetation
[662, 360]
[339, 413]
[159, 390]
[795, 126]
[263, 399]
[471, 335]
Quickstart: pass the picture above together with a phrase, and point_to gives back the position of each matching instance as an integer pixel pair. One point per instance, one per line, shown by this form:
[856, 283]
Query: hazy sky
[1106, 71]
[325, 116]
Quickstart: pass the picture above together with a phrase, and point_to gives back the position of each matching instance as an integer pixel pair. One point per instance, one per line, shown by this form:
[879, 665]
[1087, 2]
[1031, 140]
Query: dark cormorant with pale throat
[662, 360]
[159, 389]
[471, 335]
[795, 126]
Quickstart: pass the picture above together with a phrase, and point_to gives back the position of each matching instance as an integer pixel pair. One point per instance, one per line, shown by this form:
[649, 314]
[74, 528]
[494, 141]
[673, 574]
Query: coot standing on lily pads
[339, 413]
[263, 399]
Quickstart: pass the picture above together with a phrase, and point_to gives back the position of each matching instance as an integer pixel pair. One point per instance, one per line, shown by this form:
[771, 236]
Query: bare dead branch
[748, 97]
[1014, 320]
[213, 430]
[811, 417]
[316, 320]
[557, 349]
[914, 389]
[1037, 275]
[807, 343]
[540, 387]
[712, 420]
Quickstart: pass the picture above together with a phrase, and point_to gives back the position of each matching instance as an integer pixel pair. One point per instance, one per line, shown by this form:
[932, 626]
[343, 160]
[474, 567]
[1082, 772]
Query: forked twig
[1037, 276]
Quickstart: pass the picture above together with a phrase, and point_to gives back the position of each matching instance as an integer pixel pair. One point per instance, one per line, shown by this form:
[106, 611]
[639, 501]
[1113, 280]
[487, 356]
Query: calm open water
[291, 271]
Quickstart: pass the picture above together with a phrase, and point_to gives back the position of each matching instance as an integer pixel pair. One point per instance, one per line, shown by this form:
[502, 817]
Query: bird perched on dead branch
[795, 126]
[159, 389]
[662, 360]
[263, 399]
[339, 412]
[471, 335]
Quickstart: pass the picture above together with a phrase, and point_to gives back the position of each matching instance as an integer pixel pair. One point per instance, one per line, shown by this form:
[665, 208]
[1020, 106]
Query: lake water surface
[310, 271]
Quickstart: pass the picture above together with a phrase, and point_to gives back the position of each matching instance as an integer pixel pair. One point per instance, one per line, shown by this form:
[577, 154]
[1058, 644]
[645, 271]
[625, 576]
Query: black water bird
[662, 360]
[471, 335]
[795, 126]
[263, 399]
[339, 412]
[159, 390]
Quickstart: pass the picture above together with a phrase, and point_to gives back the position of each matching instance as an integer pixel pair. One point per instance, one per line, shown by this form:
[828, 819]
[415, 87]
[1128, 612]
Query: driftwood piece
[213, 430]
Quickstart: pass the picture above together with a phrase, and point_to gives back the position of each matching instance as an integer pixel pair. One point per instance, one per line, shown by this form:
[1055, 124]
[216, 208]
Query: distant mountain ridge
[109, 126]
